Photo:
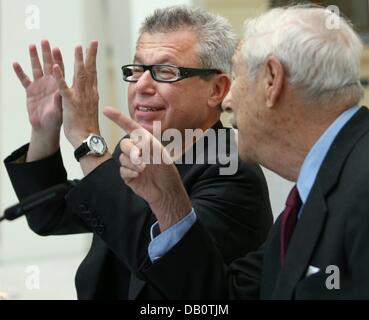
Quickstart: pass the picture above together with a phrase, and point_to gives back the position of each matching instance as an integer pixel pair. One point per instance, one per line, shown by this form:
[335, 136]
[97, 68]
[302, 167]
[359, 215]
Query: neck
[286, 167]
[290, 147]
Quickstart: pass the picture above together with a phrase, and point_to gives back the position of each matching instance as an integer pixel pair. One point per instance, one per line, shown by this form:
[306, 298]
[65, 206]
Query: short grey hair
[322, 62]
[216, 39]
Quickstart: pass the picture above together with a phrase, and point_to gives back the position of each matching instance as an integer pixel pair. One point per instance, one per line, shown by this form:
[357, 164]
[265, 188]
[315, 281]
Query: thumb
[127, 124]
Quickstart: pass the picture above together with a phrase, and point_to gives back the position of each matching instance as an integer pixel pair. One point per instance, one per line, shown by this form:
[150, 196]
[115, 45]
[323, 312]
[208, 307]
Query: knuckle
[125, 145]
[81, 76]
[122, 159]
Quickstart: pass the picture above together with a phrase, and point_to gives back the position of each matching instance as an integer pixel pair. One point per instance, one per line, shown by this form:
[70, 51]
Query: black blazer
[234, 210]
[333, 231]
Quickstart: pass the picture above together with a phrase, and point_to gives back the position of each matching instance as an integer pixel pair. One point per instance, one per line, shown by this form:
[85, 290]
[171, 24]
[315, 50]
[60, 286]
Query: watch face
[97, 145]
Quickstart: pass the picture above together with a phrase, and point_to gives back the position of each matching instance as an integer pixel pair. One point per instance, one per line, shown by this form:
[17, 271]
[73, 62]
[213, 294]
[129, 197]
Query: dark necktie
[289, 220]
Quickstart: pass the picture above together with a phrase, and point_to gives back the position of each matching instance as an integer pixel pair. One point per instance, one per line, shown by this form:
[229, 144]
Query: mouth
[149, 109]
[145, 115]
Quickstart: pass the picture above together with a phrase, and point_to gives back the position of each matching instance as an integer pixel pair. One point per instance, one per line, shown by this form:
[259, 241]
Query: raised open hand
[43, 99]
[80, 101]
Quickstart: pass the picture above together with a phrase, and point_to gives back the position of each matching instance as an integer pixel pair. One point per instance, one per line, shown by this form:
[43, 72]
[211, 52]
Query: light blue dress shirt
[317, 153]
[161, 243]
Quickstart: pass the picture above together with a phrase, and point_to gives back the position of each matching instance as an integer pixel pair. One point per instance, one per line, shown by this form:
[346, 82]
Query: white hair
[216, 39]
[321, 59]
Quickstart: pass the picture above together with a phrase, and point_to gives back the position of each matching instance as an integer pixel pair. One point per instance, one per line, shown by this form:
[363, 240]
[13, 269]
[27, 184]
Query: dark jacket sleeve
[29, 178]
[235, 210]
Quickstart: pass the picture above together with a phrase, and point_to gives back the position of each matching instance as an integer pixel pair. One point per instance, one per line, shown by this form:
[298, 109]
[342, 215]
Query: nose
[146, 84]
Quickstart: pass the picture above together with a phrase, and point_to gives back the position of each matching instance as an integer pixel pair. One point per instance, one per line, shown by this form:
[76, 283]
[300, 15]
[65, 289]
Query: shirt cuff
[161, 243]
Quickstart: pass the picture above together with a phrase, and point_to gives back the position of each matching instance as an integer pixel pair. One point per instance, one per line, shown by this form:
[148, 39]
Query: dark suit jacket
[234, 210]
[333, 231]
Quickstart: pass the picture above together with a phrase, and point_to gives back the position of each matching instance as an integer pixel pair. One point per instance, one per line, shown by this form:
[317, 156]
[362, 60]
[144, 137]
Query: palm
[44, 107]
[43, 100]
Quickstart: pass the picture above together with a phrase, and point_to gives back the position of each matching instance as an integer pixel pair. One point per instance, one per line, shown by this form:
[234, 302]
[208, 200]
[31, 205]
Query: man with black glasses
[178, 79]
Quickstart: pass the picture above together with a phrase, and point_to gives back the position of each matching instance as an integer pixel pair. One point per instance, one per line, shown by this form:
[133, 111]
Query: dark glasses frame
[183, 71]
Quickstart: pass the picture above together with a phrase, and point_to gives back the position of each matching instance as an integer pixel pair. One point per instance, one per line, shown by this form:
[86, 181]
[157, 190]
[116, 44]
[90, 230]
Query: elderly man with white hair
[295, 97]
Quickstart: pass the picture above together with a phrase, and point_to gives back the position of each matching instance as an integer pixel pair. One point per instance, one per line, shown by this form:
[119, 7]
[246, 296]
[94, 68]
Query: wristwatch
[93, 145]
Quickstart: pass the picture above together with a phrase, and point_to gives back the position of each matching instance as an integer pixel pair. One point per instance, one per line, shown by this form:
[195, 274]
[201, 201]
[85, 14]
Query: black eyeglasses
[163, 72]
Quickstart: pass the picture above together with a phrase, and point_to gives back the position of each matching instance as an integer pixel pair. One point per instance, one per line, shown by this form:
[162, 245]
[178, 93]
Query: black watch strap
[81, 151]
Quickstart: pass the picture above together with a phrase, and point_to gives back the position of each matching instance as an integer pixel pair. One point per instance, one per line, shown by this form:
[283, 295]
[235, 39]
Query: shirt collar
[317, 153]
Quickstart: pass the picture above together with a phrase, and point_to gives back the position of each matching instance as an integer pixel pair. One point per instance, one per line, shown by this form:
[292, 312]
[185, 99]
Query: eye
[136, 70]
[166, 72]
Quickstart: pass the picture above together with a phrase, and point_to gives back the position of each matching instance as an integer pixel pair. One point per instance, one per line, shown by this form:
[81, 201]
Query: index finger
[121, 120]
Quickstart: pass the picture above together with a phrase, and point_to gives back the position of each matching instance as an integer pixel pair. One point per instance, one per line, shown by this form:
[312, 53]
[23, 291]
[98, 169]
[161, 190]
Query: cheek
[173, 97]
[131, 91]
[245, 135]
[167, 93]
[247, 120]
[240, 120]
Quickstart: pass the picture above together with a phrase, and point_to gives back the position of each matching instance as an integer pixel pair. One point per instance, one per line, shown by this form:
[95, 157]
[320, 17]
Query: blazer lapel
[135, 287]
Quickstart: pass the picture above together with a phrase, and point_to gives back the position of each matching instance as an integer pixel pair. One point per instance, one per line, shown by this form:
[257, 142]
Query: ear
[221, 84]
[274, 78]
